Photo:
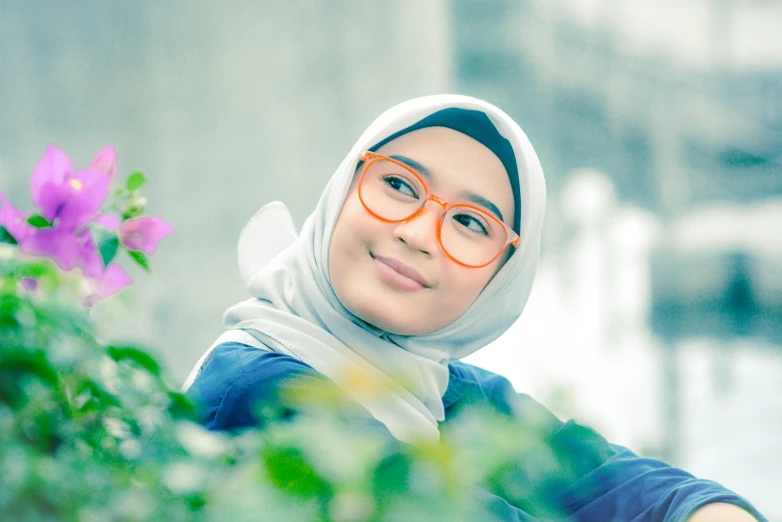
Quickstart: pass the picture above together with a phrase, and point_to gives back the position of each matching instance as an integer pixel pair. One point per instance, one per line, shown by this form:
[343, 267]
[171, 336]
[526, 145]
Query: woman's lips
[400, 274]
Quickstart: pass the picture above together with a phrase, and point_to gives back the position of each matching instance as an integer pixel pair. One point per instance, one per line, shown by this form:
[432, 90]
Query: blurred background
[657, 313]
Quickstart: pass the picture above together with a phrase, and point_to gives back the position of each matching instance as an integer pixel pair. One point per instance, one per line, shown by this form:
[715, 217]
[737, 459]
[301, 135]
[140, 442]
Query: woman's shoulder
[471, 385]
[233, 361]
[237, 376]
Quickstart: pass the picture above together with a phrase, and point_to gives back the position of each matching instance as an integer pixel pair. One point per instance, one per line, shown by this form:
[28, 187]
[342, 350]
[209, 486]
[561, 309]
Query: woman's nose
[420, 230]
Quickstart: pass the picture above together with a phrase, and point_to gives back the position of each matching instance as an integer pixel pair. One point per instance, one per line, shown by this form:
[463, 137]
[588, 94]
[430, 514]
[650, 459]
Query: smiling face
[395, 275]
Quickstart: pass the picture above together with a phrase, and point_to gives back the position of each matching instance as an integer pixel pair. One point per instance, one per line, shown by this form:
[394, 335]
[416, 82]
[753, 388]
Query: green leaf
[108, 249]
[141, 258]
[135, 180]
[102, 397]
[181, 407]
[39, 221]
[6, 237]
[290, 470]
[393, 470]
[137, 355]
[19, 361]
[37, 269]
[107, 242]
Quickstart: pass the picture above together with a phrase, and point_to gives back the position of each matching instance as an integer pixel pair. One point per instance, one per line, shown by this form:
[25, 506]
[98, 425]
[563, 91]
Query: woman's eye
[472, 223]
[400, 185]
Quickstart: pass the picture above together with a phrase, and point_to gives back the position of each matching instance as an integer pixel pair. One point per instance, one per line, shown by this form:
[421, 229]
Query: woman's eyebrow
[482, 201]
[413, 164]
[467, 194]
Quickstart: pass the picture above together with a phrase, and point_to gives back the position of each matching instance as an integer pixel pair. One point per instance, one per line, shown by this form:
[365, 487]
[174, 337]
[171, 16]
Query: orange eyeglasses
[394, 192]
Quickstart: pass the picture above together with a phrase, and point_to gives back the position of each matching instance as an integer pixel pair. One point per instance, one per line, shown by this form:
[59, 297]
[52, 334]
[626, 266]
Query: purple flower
[15, 221]
[66, 248]
[60, 246]
[144, 233]
[29, 284]
[112, 281]
[106, 161]
[69, 200]
[107, 221]
[66, 198]
[89, 258]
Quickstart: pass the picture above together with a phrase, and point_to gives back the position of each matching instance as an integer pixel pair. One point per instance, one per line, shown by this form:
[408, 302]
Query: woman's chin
[374, 314]
[373, 299]
[379, 314]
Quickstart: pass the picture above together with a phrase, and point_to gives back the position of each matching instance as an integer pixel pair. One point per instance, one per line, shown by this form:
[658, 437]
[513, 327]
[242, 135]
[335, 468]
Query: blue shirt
[604, 482]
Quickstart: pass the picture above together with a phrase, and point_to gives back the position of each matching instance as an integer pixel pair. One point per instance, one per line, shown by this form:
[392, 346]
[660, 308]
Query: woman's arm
[583, 476]
[611, 481]
[602, 481]
[721, 512]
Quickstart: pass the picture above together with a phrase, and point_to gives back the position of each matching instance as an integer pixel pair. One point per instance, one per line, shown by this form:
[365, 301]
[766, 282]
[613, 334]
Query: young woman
[422, 249]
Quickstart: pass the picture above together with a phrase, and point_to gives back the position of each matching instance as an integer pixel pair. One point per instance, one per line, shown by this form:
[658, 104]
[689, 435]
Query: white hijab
[294, 309]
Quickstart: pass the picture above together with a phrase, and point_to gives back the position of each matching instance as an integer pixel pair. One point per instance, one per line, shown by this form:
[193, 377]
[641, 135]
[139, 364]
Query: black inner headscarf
[476, 125]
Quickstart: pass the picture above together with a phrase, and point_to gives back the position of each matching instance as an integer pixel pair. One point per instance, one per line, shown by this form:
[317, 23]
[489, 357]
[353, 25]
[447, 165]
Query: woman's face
[371, 289]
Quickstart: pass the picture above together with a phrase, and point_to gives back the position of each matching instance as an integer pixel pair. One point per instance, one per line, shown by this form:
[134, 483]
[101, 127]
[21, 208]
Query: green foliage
[140, 258]
[107, 242]
[134, 206]
[136, 355]
[39, 221]
[135, 181]
[6, 237]
[95, 432]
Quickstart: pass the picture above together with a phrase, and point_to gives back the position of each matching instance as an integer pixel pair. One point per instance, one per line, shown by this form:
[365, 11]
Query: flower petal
[107, 221]
[29, 284]
[56, 243]
[86, 192]
[144, 233]
[89, 258]
[51, 197]
[52, 171]
[13, 220]
[106, 161]
[67, 249]
[113, 280]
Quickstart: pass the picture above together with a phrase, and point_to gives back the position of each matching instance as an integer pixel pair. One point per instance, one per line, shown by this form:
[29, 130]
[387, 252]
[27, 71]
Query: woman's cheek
[466, 284]
[358, 221]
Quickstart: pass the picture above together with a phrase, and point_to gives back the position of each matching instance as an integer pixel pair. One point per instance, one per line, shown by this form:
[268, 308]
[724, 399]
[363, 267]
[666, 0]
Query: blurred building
[678, 104]
[697, 119]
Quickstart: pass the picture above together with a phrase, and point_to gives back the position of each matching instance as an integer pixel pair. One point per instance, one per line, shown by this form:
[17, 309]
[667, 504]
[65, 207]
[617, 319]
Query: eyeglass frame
[370, 158]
